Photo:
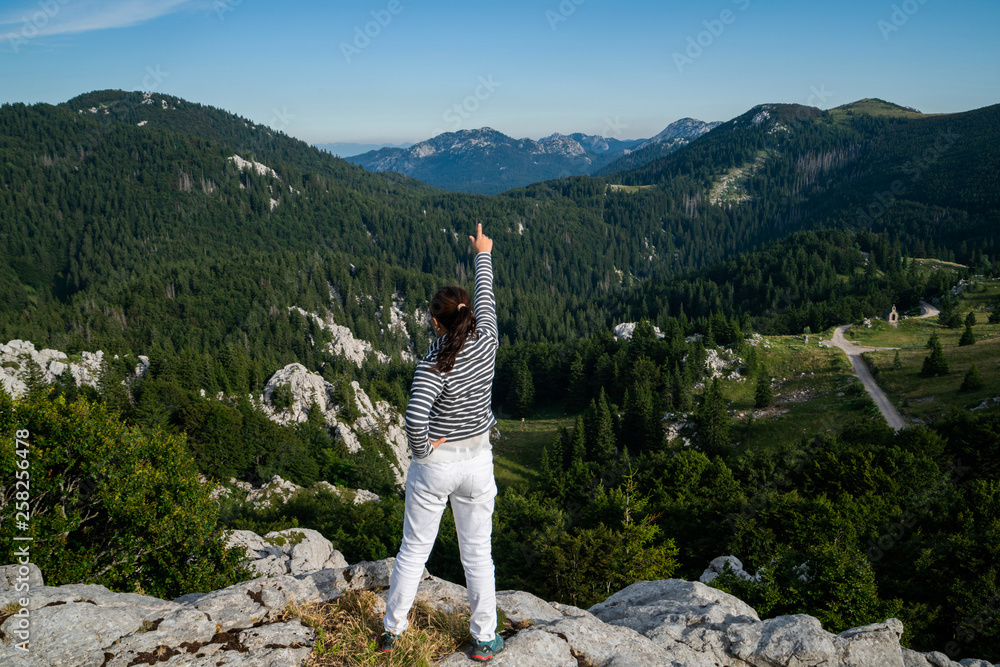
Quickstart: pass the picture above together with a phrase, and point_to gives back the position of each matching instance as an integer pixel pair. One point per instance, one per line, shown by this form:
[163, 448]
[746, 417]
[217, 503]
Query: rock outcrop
[367, 416]
[306, 388]
[625, 330]
[291, 551]
[53, 364]
[279, 490]
[672, 622]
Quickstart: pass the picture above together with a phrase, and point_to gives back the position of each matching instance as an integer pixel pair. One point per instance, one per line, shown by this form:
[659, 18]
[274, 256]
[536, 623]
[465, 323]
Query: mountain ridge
[486, 161]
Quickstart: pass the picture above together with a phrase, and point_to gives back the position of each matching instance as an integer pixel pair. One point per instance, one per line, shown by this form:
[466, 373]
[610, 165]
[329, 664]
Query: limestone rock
[9, 575]
[688, 619]
[523, 609]
[292, 551]
[625, 330]
[75, 633]
[876, 644]
[932, 659]
[534, 649]
[52, 362]
[577, 638]
[277, 490]
[717, 565]
[375, 417]
[672, 622]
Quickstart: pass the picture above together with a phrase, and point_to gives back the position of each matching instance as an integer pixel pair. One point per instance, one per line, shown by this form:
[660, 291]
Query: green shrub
[111, 504]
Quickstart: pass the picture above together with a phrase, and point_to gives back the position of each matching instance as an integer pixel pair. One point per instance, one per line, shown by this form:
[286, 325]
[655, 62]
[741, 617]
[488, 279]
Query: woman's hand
[481, 242]
[435, 443]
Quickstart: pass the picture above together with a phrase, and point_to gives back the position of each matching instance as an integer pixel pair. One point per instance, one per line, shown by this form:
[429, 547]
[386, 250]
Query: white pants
[470, 486]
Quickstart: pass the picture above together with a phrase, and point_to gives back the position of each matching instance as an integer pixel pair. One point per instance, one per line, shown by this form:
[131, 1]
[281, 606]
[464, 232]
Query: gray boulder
[933, 659]
[292, 551]
[74, 633]
[9, 575]
[716, 567]
[687, 618]
[524, 609]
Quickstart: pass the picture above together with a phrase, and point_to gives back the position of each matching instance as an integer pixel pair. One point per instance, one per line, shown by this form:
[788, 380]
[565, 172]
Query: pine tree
[968, 338]
[712, 420]
[935, 364]
[679, 395]
[897, 364]
[545, 468]
[973, 381]
[995, 313]
[33, 377]
[600, 431]
[578, 445]
[577, 394]
[522, 390]
[970, 319]
[641, 429]
[764, 395]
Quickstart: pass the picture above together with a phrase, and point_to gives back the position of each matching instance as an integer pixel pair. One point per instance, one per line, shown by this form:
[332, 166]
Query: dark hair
[452, 308]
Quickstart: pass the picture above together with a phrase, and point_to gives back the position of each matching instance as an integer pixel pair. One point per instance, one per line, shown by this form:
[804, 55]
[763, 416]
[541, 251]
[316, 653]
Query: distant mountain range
[486, 161]
[342, 149]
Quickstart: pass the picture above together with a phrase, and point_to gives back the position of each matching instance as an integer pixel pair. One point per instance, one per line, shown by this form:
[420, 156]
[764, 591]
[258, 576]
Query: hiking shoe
[388, 642]
[485, 650]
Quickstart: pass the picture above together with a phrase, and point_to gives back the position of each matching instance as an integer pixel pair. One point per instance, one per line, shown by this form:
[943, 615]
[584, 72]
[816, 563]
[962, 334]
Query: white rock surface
[625, 330]
[279, 490]
[375, 417]
[717, 565]
[52, 362]
[671, 622]
[291, 551]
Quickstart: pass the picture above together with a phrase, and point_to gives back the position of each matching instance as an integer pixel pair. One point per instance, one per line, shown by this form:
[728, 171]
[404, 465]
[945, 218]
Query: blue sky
[527, 68]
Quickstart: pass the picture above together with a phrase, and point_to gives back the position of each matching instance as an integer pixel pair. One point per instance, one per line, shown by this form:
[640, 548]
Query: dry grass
[348, 630]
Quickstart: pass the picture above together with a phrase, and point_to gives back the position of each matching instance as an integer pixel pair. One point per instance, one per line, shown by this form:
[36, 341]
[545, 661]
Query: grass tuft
[349, 628]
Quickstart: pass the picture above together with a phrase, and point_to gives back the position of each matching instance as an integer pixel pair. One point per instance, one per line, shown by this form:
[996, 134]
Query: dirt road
[853, 352]
[929, 310]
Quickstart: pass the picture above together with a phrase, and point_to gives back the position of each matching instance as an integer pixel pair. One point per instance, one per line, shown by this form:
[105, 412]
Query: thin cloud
[63, 17]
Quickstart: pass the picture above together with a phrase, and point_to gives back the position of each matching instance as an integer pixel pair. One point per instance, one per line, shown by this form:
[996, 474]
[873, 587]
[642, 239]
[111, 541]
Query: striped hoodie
[456, 405]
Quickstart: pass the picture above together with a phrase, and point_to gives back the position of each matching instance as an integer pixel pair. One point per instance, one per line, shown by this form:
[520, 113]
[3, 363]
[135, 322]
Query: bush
[111, 504]
[973, 381]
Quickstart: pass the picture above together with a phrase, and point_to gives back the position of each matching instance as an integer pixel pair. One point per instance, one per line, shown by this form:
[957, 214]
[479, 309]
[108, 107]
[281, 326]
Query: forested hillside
[145, 224]
[931, 182]
[128, 222]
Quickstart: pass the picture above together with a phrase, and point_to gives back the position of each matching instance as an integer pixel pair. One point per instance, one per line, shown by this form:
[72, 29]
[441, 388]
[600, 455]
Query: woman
[448, 423]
